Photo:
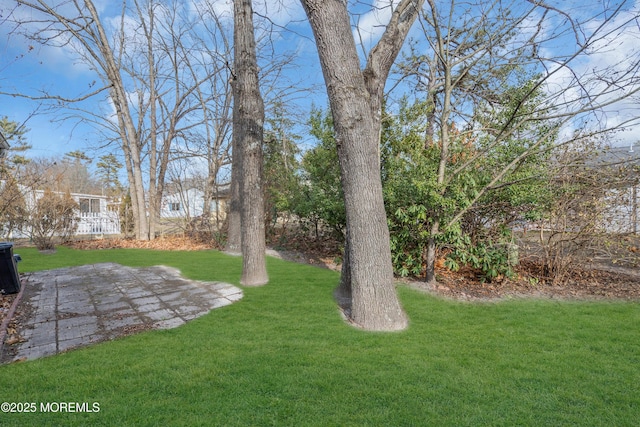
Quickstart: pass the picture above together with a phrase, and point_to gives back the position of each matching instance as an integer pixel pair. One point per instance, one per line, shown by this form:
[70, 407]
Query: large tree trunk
[248, 122]
[355, 97]
[374, 304]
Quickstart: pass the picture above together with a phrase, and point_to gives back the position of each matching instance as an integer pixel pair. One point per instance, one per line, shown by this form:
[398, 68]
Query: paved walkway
[72, 307]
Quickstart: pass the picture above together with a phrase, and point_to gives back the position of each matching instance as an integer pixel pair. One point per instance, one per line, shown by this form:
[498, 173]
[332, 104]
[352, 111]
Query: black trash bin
[9, 279]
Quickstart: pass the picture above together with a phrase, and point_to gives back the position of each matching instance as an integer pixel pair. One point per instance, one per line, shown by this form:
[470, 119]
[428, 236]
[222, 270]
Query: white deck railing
[98, 223]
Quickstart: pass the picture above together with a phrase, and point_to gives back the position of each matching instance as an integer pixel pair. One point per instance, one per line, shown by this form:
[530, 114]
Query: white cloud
[223, 9]
[368, 27]
[279, 12]
[61, 54]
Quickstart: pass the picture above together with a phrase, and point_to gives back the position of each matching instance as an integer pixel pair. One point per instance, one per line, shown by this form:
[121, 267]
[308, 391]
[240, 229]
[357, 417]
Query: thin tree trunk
[143, 222]
[209, 188]
[443, 56]
[154, 201]
[130, 178]
[127, 128]
[431, 254]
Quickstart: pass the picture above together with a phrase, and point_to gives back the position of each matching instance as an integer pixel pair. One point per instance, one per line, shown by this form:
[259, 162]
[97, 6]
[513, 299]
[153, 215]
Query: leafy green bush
[492, 259]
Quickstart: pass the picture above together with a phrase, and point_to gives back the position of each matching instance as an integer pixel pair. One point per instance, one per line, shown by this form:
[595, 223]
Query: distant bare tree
[78, 25]
[588, 216]
[158, 103]
[58, 174]
[13, 208]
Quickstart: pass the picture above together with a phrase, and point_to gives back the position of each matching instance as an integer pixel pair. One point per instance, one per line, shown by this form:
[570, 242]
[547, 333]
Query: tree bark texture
[234, 231]
[431, 255]
[355, 97]
[248, 122]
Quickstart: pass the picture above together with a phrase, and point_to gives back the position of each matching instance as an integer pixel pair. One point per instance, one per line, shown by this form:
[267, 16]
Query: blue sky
[29, 68]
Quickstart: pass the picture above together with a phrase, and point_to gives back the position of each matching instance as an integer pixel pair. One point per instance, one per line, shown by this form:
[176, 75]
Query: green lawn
[283, 356]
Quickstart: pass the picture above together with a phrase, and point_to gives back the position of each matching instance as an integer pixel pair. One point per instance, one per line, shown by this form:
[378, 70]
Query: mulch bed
[594, 282]
[5, 304]
[172, 243]
[9, 335]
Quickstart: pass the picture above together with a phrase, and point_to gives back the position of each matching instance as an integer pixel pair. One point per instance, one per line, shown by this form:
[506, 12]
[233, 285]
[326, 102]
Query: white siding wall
[187, 204]
[621, 215]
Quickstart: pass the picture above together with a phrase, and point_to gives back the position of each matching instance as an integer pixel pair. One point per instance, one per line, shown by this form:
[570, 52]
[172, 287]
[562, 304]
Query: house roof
[620, 156]
[623, 162]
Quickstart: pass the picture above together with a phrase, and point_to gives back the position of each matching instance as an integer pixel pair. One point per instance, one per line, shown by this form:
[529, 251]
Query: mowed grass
[282, 356]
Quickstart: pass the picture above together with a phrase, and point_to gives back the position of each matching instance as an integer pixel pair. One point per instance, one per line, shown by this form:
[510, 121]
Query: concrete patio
[67, 308]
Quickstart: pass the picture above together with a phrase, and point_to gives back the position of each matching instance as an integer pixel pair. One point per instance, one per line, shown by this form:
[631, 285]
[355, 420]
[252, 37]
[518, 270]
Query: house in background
[623, 197]
[188, 203]
[612, 199]
[97, 215]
